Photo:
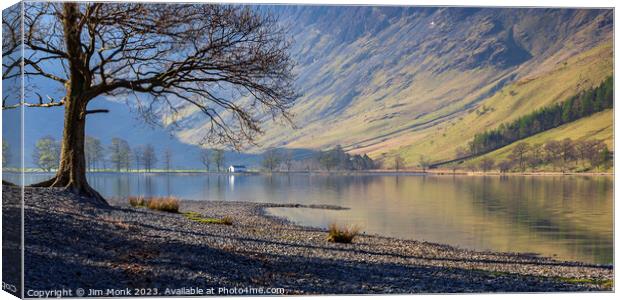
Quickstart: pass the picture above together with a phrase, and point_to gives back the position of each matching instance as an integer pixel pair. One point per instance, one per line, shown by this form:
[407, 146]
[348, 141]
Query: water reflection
[564, 216]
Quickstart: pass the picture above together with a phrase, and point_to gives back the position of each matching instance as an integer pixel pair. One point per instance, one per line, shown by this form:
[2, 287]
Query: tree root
[83, 190]
[47, 183]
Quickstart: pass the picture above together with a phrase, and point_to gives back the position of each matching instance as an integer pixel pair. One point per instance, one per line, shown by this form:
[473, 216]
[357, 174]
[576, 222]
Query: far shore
[403, 172]
[542, 173]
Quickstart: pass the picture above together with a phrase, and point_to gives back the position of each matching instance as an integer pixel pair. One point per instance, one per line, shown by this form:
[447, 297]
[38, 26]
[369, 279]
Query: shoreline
[434, 172]
[145, 248]
[263, 213]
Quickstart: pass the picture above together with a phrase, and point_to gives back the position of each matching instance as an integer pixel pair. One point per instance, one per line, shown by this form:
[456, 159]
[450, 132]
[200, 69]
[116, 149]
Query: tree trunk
[71, 172]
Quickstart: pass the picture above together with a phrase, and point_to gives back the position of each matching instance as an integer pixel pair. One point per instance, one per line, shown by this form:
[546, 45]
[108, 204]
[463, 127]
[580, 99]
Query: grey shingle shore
[71, 243]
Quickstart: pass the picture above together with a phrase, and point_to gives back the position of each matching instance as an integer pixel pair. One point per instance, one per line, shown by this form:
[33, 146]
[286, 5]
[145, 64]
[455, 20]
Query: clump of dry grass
[227, 220]
[137, 201]
[167, 204]
[341, 234]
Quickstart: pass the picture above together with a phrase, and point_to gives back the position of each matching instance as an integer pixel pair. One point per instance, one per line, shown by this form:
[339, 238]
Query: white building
[237, 169]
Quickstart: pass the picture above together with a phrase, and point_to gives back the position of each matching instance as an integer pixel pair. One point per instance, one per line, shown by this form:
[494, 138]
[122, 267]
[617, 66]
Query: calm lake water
[567, 217]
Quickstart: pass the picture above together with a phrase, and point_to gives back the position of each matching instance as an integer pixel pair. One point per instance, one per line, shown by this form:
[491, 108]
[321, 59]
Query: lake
[566, 217]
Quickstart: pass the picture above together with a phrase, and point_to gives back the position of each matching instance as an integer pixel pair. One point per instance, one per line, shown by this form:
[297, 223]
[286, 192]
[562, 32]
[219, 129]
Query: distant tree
[287, 159]
[128, 159]
[205, 158]
[149, 158]
[271, 159]
[138, 156]
[328, 160]
[399, 162]
[536, 156]
[487, 164]
[218, 158]
[362, 162]
[553, 151]
[46, 153]
[582, 148]
[120, 153]
[567, 152]
[335, 158]
[379, 163]
[167, 159]
[454, 167]
[6, 153]
[368, 163]
[504, 166]
[603, 158]
[519, 154]
[94, 152]
[424, 162]
[598, 155]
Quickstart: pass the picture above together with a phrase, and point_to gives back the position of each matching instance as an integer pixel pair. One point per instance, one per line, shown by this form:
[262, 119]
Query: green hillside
[598, 126]
[567, 78]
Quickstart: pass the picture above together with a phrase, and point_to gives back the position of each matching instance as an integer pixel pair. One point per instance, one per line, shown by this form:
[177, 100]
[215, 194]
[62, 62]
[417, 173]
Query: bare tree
[536, 156]
[487, 164]
[424, 163]
[567, 152]
[519, 154]
[553, 150]
[598, 153]
[148, 157]
[581, 149]
[167, 57]
[93, 151]
[399, 162]
[120, 153]
[138, 156]
[167, 159]
[328, 159]
[271, 159]
[218, 158]
[504, 166]
[287, 159]
[205, 158]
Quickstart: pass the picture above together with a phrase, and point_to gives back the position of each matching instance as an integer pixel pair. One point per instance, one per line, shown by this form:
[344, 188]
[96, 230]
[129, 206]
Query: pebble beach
[72, 243]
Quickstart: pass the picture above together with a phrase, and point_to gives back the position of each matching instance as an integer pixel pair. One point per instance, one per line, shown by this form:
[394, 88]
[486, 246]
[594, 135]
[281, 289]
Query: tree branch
[96, 111]
[52, 103]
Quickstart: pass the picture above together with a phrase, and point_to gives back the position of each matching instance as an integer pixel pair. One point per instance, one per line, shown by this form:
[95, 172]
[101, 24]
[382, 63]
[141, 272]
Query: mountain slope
[524, 96]
[375, 79]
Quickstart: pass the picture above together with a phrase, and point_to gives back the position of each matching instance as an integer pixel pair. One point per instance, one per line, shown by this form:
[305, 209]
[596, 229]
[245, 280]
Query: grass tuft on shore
[341, 234]
[137, 201]
[167, 204]
[196, 217]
